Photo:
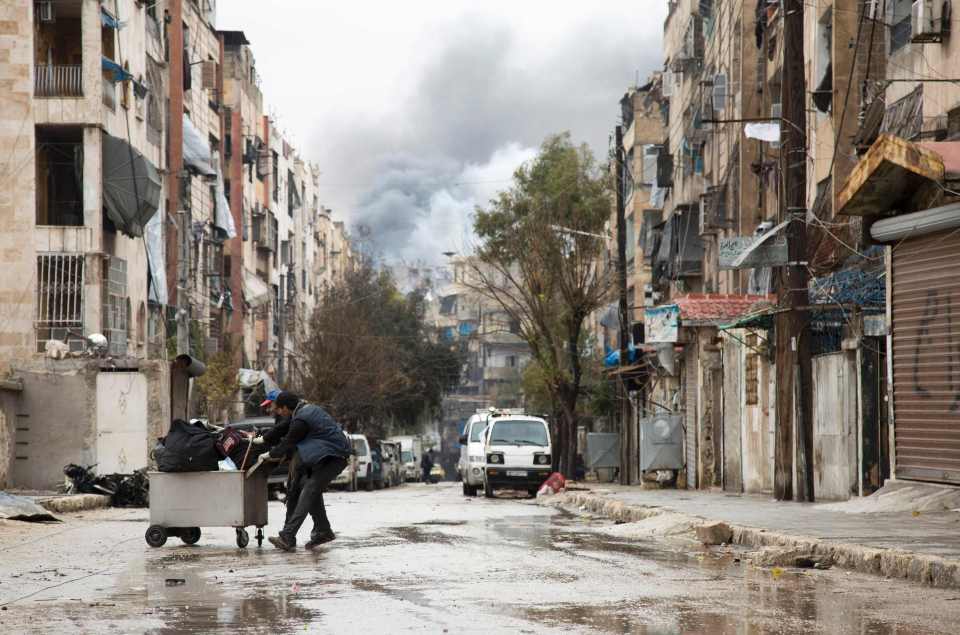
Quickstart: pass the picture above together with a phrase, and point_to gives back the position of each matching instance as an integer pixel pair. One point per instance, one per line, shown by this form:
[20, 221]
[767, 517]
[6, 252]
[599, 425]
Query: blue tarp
[447, 333]
[466, 328]
[108, 20]
[613, 356]
[119, 74]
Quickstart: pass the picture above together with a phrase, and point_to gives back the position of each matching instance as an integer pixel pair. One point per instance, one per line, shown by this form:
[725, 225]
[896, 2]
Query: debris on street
[125, 490]
[20, 508]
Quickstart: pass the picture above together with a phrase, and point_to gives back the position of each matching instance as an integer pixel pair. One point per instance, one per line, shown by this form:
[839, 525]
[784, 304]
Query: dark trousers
[307, 499]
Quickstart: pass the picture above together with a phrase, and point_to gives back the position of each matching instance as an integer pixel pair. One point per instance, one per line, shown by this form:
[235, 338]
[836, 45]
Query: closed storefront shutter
[926, 356]
[690, 412]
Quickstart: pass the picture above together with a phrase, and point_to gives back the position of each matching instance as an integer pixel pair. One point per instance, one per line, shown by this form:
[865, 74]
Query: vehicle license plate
[516, 473]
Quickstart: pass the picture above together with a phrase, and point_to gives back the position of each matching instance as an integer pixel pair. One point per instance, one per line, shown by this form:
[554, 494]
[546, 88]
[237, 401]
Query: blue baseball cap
[271, 397]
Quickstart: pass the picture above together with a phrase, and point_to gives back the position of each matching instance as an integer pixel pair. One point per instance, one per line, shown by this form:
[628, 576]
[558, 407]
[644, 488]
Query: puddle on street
[420, 536]
[269, 613]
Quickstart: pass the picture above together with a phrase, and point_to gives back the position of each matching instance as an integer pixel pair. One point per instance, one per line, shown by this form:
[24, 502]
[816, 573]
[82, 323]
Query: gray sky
[418, 111]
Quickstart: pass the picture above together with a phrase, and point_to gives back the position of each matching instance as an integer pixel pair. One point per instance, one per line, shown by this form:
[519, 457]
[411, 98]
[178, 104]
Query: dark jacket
[314, 435]
[426, 462]
[280, 429]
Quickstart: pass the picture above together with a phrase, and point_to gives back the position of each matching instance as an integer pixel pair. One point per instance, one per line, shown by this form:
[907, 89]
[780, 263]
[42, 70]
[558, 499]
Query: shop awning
[713, 309]
[888, 176]
[196, 149]
[131, 186]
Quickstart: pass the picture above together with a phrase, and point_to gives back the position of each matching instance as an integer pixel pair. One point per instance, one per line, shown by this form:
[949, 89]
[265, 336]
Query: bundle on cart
[195, 447]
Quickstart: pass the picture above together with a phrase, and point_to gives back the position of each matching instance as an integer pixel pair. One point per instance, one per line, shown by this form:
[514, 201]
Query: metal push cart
[183, 502]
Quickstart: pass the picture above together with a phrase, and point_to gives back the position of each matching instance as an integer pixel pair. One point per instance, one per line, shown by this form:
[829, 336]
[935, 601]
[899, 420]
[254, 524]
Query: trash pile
[124, 490]
[196, 447]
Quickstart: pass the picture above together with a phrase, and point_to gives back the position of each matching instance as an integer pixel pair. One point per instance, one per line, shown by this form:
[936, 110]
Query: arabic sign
[660, 323]
[745, 253]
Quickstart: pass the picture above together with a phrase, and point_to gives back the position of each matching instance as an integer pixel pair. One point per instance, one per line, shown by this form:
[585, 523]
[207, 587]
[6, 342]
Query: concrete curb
[73, 503]
[902, 564]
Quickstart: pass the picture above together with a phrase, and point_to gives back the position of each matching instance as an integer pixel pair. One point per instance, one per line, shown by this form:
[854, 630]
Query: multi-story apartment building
[880, 217]
[141, 208]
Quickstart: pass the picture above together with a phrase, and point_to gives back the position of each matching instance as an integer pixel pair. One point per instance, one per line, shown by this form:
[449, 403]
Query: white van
[358, 470]
[517, 454]
[472, 458]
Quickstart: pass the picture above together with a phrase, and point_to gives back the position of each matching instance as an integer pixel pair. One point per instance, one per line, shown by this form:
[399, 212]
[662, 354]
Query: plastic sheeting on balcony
[196, 149]
[223, 217]
[131, 186]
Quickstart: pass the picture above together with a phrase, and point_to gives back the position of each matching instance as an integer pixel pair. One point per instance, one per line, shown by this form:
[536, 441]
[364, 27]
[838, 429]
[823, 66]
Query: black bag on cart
[187, 448]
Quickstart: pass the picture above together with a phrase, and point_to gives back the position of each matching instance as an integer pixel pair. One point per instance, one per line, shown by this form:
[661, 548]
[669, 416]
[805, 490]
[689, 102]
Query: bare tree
[542, 259]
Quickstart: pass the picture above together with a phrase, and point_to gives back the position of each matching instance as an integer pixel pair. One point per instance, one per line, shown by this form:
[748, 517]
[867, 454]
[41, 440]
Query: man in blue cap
[321, 449]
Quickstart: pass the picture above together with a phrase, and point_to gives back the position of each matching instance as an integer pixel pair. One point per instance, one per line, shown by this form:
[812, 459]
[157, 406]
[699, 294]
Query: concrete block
[74, 503]
[714, 533]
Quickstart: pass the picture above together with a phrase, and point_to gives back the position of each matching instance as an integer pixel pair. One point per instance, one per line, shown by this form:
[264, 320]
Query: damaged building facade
[139, 159]
[881, 223]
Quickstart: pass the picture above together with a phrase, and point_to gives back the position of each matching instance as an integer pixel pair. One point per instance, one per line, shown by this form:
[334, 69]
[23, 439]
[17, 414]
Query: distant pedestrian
[426, 465]
[321, 448]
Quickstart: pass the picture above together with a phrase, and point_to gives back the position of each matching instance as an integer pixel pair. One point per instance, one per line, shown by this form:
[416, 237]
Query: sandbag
[187, 448]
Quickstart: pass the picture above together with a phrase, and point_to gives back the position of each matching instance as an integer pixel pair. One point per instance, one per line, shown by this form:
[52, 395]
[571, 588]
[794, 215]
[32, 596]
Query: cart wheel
[259, 536]
[243, 538]
[156, 536]
[190, 535]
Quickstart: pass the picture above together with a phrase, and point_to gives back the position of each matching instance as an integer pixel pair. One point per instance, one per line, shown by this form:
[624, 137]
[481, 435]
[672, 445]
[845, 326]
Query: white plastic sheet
[196, 149]
[156, 256]
[769, 132]
[223, 218]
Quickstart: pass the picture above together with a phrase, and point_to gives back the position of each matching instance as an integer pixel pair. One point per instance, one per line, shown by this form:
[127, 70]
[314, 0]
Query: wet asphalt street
[422, 558]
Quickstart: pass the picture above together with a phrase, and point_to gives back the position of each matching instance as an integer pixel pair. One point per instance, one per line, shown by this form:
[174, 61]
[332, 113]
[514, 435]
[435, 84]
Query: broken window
[59, 169]
[900, 24]
[59, 314]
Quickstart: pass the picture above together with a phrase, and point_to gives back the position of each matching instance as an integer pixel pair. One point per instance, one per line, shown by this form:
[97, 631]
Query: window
[116, 305]
[59, 313]
[59, 173]
[518, 432]
[125, 88]
[900, 25]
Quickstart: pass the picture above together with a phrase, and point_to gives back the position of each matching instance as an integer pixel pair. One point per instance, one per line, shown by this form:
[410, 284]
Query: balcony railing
[109, 94]
[58, 81]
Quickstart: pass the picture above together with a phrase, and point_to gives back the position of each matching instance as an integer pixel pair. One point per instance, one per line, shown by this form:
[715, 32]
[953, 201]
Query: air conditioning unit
[45, 11]
[926, 21]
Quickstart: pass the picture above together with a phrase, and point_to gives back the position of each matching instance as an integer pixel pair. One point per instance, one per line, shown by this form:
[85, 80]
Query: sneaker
[280, 543]
[322, 539]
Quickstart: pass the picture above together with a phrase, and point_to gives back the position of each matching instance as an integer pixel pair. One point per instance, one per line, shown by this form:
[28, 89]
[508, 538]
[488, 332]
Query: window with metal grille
[116, 305]
[900, 24]
[59, 314]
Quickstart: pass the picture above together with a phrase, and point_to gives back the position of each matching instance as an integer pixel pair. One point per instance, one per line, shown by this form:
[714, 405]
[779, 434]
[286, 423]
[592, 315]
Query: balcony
[58, 80]
[505, 373]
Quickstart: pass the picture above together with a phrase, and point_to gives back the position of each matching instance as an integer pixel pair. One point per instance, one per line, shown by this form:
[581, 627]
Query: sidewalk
[922, 546]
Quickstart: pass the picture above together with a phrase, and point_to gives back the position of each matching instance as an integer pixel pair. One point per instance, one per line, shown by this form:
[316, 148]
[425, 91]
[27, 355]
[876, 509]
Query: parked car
[392, 463]
[411, 449]
[277, 481]
[359, 470]
[517, 453]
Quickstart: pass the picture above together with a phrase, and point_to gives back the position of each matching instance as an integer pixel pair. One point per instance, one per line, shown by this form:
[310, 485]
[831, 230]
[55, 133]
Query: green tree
[219, 385]
[541, 258]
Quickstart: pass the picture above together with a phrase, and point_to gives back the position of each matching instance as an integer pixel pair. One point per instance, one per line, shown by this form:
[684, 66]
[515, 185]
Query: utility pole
[623, 398]
[794, 389]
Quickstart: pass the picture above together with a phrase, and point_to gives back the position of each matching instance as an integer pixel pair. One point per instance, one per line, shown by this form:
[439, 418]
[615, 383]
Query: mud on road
[424, 559]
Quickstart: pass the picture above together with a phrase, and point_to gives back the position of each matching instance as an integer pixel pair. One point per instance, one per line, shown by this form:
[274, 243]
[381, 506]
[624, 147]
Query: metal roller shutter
[926, 356]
